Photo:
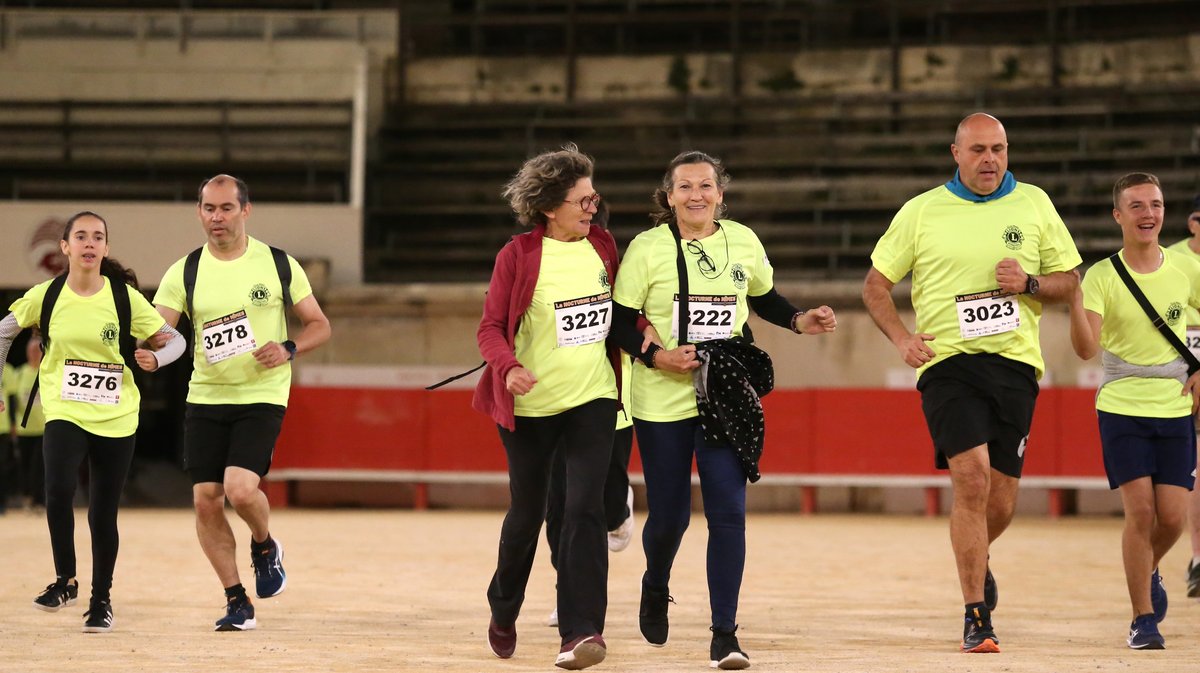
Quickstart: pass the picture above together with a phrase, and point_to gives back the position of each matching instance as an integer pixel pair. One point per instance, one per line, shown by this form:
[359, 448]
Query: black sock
[236, 592]
[266, 544]
[978, 611]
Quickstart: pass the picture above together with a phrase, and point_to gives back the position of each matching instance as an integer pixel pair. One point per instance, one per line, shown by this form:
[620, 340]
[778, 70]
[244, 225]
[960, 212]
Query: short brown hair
[1132, 180]
[543, 181]
[243, 192]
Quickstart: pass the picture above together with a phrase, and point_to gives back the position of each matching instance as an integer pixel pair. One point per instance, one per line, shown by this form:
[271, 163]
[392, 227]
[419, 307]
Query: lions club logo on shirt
[604, 279]
[108, 334]
[1174, 313]
[1013, 238]
[738, 274]
[260, 295]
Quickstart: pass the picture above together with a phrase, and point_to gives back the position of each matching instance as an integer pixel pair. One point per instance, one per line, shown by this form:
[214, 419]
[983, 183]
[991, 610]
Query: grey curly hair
[542, 183]
[662, 212]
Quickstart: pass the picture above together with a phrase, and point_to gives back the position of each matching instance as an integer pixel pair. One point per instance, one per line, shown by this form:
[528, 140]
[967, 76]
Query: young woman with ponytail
[90, 401]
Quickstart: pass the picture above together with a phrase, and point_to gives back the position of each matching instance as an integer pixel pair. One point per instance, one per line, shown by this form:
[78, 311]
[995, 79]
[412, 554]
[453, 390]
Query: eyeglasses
[592, 200]
[708, 267]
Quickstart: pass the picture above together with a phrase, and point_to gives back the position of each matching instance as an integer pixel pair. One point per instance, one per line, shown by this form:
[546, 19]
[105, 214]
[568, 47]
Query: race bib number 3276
[92, 382]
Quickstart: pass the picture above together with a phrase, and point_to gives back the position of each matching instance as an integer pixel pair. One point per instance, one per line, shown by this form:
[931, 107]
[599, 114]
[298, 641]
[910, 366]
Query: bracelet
[795, 318]
[654, 354]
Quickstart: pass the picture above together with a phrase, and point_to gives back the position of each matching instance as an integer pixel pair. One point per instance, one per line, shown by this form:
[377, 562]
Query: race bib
[986, 313]
[585, 320]
[228, 336]
[711, 317]
[1193, 340]
[92, 382]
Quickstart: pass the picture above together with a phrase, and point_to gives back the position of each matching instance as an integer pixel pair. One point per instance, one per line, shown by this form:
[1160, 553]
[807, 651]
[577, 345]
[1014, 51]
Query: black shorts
[1163, 449]
[216, 436]
[971, 400]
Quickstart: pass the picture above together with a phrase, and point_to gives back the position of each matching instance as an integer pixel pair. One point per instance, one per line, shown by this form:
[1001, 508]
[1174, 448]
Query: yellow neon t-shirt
[1127, 332]
[225, 289]
[1191, 315]
[36, 427]
[83, 336]
[649, 280]
[952, 247]
[561, 336]
[9, 391]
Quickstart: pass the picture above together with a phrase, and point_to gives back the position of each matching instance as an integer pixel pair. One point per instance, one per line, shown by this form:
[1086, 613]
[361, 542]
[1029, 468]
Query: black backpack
[191, 266]
[125, 341]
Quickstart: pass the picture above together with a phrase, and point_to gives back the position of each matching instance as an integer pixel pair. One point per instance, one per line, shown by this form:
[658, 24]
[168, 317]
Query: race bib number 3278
[227, 336]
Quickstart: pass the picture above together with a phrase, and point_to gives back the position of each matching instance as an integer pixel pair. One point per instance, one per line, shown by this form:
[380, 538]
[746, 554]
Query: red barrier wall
[814, 431]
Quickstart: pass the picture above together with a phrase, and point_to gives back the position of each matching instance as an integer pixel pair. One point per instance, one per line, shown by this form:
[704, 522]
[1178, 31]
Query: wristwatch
[1031, 285]
[290, 346]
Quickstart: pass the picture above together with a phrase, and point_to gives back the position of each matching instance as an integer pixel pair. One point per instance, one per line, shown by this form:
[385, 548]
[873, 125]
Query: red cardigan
[509, 294]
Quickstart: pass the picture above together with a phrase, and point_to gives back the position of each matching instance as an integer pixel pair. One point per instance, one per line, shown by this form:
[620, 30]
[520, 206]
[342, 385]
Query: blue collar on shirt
[1007, 185]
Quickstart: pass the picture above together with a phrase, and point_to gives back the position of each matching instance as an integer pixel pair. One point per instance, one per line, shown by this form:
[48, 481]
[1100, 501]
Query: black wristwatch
[290, 346]
[1031, 285]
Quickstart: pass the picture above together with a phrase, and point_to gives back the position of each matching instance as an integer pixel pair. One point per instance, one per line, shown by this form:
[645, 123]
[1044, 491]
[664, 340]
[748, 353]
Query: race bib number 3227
[584, 320]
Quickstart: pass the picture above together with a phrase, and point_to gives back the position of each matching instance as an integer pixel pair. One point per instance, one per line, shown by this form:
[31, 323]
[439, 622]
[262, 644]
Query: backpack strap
[126, 344]
[1193, 364]
[284, 269]
[191, 266]
[48, 301]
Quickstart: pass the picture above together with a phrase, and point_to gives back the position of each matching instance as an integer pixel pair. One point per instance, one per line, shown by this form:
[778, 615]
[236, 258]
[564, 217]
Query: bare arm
[169, 314]
[1053, 288]
[314, 331]
[877, 296]
[1085, 328]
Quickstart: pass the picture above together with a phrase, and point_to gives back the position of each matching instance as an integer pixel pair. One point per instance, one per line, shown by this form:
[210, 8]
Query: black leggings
[584, 435]
[65, 445]
[616, 491]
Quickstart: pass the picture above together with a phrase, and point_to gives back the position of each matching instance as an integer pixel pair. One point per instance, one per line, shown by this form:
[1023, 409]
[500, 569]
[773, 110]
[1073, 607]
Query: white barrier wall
[149, 237]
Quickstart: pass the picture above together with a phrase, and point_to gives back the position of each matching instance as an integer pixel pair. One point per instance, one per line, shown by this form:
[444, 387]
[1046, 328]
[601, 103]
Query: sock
[980, 609]
[256, 546]
[235, 593]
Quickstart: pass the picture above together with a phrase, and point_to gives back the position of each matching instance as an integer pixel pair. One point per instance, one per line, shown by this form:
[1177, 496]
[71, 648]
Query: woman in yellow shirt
[89, 399]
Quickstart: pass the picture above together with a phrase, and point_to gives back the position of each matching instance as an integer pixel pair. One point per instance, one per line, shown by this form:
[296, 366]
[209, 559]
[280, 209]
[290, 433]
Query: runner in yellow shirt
[1190, 247]
[1147, 399]
[30, 431]
[9, 460]
[985, 252]
[89, 398]
[240, 382]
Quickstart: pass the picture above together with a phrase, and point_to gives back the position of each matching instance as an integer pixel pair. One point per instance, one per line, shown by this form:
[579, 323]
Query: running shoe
[99, 617]
[1193, 579]
[581, 652]
[991, 594]
[57, 596]
[269, 577]
[652, 615]
[725, 653]
[978, 635]
[239, 615]
[1158, 596]
[1144, 635]
[502, 640]
[620, 538]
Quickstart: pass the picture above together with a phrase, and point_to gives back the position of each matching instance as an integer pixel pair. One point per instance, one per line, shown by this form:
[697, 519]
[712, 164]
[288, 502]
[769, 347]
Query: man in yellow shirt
[1147, 398]
[985, 252]
[240, 382]
[1190, 247]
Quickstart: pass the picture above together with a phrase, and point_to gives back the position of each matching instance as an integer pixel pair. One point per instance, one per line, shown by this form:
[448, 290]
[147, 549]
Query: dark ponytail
[109, 267]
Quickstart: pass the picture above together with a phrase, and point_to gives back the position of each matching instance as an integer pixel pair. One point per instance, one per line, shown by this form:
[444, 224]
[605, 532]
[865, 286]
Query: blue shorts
[1163, 449]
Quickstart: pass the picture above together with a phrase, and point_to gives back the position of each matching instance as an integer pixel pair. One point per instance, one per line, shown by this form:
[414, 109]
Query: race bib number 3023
[92, 382]
[709, 317]
[584, 320]
[227, 336]
[987, 313]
